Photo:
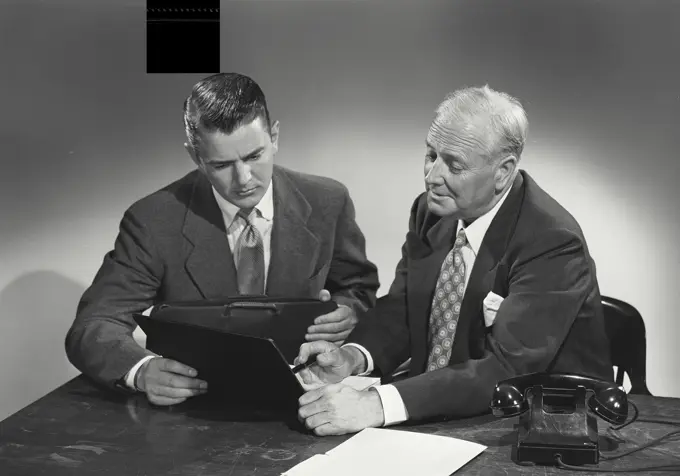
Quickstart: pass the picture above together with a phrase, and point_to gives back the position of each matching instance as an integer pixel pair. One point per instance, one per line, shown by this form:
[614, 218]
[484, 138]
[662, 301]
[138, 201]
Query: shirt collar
[476, 230]
[229, 210]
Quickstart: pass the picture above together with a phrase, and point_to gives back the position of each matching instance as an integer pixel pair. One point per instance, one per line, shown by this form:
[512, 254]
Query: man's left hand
[334, 326]
[337, 409]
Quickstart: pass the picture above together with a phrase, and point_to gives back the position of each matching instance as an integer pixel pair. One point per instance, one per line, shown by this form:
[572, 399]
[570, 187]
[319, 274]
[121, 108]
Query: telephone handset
[609, 401]
[554, 420]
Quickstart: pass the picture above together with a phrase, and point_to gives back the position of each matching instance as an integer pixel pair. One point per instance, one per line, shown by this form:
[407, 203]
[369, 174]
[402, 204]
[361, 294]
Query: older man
[495, 280]
[237, 224]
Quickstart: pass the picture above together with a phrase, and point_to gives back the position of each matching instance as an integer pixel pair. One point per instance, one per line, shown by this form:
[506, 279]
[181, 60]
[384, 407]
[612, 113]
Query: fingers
[324, 295]
[167, 379]
[312, 386]
[173, 392]
[164, 401]
[168, 382]
[318, 413]
[317, 420]
[175, 367]
[330, 328]
[311, 396]
[340, 314]
[328, 429]
[334, 338]
[334, 326]
[307, 377]
[317, 406]
[316, 394]
[309, 349]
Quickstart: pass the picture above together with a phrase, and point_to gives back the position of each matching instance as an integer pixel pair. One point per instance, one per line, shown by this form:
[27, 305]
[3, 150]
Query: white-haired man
[495, 280]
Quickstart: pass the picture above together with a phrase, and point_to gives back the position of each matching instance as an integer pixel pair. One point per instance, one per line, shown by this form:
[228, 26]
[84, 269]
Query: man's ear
[192, 153]
[505, 171]
[274, 134]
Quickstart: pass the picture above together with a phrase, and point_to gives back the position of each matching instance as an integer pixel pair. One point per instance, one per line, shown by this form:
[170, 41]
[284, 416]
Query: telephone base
[547, 455]
[570, 434]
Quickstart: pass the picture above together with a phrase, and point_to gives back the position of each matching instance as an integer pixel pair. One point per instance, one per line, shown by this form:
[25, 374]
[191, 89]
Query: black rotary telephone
[554, 419]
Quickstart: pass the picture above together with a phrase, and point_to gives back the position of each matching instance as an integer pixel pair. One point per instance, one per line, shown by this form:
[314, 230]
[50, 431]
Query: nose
[242, 174]
[434, 172]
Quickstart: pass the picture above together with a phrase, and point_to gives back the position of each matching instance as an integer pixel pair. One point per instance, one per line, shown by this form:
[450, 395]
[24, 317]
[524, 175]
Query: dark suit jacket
[535, 256]
[172, 246]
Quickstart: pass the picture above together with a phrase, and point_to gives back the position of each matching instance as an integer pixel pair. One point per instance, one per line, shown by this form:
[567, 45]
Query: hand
[332, 362]
[338, 409]
[334, 326]
[167, 382]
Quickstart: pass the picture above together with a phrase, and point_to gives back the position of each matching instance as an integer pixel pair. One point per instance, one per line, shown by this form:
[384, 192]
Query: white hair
[498, 115]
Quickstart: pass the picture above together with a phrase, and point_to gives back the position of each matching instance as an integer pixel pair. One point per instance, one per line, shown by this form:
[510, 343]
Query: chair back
[627, 342]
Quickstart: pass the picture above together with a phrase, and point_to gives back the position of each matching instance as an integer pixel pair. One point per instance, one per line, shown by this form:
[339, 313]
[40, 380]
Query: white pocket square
[491, 303]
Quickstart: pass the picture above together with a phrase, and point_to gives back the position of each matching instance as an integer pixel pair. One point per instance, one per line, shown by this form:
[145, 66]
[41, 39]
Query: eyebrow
[445, 154]
[254, 152]
[247, 156]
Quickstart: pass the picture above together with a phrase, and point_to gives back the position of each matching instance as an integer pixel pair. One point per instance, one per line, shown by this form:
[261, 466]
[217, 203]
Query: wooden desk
[80, 429]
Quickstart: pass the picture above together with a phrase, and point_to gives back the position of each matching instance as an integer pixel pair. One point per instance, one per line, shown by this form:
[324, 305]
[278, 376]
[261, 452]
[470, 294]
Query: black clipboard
[241, 370]
[285, 320]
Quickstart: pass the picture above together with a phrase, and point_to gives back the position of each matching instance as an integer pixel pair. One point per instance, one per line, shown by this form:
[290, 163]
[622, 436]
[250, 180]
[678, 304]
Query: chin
[439, 209]
[246, 202]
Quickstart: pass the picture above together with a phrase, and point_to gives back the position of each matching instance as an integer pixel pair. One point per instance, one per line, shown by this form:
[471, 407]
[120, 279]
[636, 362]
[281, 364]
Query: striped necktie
[250, 268]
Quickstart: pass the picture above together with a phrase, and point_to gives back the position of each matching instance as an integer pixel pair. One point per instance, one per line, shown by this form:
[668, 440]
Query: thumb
[324, 295]
[309, 349]
[328, 358]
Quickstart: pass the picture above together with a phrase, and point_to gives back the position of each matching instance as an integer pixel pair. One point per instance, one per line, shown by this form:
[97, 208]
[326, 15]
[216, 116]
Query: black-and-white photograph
[339, 237]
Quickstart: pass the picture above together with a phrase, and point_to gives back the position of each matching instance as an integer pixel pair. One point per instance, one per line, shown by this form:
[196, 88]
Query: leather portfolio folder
[242, 371]
[285, 320]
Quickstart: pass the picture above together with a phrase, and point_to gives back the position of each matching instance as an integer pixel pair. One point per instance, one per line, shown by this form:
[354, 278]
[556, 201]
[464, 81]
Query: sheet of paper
[316, 465]
[394, 452]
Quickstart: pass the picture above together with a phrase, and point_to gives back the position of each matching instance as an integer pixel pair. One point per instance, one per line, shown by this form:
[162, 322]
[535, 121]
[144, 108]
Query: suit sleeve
[548, 284]
[384, 330]
[100, 342]
[352, 279]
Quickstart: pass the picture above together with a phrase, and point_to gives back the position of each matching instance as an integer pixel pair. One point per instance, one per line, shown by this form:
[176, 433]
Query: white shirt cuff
[369, 359]
[130, 376]
[394, 409]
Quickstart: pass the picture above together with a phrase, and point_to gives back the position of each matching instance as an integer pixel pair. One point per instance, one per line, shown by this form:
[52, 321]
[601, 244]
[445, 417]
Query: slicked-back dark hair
[223, 102]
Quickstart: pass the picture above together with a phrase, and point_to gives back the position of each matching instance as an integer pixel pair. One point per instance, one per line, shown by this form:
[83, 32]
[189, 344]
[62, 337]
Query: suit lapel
[482, 277]
[427, 256]
[294, 248]
[210, 263]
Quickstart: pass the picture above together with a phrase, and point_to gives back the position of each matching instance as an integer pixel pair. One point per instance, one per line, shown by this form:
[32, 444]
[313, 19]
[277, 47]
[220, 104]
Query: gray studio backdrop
[84, 132]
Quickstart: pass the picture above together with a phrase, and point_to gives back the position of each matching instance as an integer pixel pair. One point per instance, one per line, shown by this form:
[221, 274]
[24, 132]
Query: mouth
[246, 192]
[435, 195]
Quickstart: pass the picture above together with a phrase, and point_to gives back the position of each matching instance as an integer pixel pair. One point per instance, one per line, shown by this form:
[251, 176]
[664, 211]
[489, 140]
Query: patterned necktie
[446, 303]
[250, 269]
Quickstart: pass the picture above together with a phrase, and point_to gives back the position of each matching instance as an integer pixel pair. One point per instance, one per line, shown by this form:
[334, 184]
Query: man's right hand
[168, 382]
[332, 363]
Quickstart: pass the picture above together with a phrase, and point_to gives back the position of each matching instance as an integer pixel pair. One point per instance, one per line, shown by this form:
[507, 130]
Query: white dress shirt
[394, 410]
[263, 221]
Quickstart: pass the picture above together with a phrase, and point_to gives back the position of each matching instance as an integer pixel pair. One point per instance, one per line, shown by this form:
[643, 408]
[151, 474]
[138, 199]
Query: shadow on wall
[36, 311]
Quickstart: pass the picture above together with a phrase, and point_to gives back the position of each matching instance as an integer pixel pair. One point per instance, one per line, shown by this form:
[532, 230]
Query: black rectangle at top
[172, 28]
[182, 10]
[183, 4]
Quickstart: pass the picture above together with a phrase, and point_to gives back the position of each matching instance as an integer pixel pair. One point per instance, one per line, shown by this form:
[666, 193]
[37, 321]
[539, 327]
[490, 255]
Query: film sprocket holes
[183, 11]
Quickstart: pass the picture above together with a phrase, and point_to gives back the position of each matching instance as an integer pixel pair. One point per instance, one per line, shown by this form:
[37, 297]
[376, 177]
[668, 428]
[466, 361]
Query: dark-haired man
[237, 225]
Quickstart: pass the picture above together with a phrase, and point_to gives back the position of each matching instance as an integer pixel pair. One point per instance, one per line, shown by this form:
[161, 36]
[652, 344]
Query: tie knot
[461, 238]
[247, 214]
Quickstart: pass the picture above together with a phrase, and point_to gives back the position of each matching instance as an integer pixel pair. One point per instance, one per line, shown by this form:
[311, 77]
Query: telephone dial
[554, 417]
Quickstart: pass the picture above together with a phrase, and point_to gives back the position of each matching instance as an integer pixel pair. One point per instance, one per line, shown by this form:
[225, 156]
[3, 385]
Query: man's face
[460, 181]
[239, 165]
